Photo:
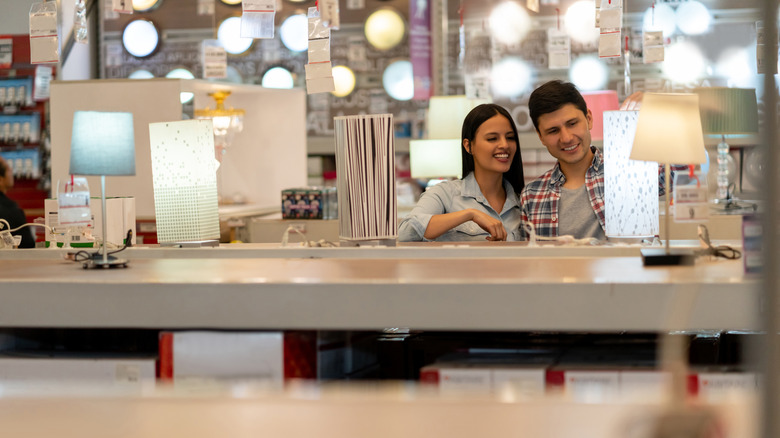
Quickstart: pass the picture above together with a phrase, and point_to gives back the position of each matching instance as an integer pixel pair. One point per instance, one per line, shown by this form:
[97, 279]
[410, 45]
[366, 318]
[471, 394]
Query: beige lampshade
[669, 130]
[446, 114]
[728, 111]
[439, 158]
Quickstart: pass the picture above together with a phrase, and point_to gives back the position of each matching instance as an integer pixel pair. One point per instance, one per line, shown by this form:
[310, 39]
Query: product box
[120, 218]
[485, 375]
[309, 203]
[97, 371]
[271, 357]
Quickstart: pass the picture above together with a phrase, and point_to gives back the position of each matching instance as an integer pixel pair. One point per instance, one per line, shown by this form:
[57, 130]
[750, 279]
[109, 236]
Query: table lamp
[668, 131]
[184, 176]
[598, 102]
[102, 144]
[727, 111]
[435, 158]
[446, 115]
[630, 186]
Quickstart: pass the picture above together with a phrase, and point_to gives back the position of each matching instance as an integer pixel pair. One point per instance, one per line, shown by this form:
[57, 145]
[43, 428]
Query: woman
[484, 204]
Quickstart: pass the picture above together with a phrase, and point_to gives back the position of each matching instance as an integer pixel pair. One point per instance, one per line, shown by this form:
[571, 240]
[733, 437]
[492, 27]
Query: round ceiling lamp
[145, 5]
[661, 17]
[140, 38]
[398, 80]
[231, 2]
[344, 80]
[140, 74]
[182, 73]
[384, 29]
[684, 62]
[589, 73]
[510, 77]
[579, 22]
[509, 23]
[693, 18]
[229, 35]
[294, 32]
[278, 77]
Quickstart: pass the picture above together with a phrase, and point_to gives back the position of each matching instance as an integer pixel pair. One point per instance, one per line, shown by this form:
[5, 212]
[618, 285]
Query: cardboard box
[99, 371]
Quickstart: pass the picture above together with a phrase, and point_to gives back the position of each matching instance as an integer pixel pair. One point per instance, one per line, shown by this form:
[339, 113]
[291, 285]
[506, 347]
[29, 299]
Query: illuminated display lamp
[398, 80]
[660, 18]
[684, 62]
[140, 38]
[227, 122]
[344, 80]
[579, 22]
[182, 73]
[510, 77]
[294, 32]
[693, 18]
[141, 74]
[589, 73]
[229, 35]
[509, 23]
[231, 2]
[278, 77]
[384, 29]
[145, 5]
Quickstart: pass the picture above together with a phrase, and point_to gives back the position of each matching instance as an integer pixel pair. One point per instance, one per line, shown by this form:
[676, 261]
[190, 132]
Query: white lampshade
[435, 158]
[446, 115]
[102, 143]
[185, 181]
[630, 186]
[669, 130]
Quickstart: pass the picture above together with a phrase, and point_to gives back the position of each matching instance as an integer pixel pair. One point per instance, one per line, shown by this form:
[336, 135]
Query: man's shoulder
[541, 183]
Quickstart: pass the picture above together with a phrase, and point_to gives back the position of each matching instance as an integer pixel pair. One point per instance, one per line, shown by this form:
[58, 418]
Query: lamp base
[659, 257]
[97, 262]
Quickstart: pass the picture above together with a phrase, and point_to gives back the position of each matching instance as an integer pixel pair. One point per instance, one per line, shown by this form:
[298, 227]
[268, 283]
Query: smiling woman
[483, 205]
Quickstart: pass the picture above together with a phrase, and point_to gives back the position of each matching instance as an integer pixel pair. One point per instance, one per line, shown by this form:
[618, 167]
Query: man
[569, 198]
[9, 210]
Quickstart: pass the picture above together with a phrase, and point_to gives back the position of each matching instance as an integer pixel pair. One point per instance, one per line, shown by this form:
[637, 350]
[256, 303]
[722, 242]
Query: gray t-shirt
[576, 216]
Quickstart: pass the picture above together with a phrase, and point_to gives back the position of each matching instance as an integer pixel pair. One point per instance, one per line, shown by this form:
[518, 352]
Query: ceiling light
[693, 18]
[277, 77]
[398, 80]
[140, 38]
[684, 62]
[509, 23]
[229, 35]
[580, 22]
[294, 32]
[182, 73]
[510, 77]
[661, 17]
[384, 29]
[344, 80]
[140, 74]
[589, 73]
[145, 5]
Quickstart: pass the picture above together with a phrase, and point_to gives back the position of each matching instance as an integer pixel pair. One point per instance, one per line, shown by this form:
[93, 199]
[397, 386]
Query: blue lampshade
[102, 144]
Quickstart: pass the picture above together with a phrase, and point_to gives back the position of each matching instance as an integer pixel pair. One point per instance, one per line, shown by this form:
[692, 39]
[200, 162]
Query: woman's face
[494, 146]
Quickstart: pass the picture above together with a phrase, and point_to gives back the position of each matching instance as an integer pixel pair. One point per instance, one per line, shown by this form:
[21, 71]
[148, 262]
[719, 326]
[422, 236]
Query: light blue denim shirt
[457, 195]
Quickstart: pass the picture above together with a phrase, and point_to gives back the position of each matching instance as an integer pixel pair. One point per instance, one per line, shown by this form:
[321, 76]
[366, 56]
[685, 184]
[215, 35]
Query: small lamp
[435, 158]
[727, 111]
[102, 144]
[446, 115]
[185, 183]
[598, 102]
[668, 131]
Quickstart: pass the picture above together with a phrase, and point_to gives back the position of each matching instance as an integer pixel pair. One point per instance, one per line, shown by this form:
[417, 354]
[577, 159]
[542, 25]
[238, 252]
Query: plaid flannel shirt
[540, 197]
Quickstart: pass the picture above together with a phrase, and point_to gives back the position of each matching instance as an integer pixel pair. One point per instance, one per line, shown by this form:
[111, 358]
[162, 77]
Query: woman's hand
[493, 226]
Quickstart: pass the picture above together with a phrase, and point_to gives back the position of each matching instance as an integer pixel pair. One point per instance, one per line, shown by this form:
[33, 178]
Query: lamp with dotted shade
[102, 143]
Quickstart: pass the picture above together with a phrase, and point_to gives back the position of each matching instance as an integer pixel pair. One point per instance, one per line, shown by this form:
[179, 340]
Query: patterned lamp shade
[630, 187]
[185, 181]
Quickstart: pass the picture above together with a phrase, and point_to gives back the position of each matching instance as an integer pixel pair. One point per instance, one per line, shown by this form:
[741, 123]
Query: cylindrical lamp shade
[102, 143]
[435, 158]
[446, 114]
[630, 186]
[669, 130]
[598, 102]
[727, 111]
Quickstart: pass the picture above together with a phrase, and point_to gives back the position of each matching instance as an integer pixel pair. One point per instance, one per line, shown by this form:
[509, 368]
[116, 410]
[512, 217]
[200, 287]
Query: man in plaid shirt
[569, 198]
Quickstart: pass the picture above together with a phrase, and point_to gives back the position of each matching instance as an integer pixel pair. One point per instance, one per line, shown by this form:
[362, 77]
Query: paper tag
[320, 70]
[42, 87]
[653, 47]
[316, 27]
[690, 198]
[214, 60]
[205, 7]
[610, 18]
[609, 45]
[558, 49]
[329, 12]
[532, 5]
[320, 85]
[257, 24]
[319, 50]
[356, 4]
[6, 52]
[122, 6]
[73, 203]
[477, 86]
[44, 44]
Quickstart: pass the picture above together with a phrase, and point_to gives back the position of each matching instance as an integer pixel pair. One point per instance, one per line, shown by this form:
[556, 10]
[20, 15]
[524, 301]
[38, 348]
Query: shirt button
[555, 218]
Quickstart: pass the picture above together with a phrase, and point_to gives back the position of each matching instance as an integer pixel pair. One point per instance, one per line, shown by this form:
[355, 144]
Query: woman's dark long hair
[471, 123]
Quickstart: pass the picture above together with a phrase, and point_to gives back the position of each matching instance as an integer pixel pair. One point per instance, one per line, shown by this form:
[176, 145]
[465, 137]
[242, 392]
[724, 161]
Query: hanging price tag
[214, 60]
[690, 198]
[122, 6]
[558, 49]
[42, 85]
[356, 4]
[257, 20]
[609, 44]
[205, 7]
[329, 12]
[44, 44]
[653, 47]
[6, 52]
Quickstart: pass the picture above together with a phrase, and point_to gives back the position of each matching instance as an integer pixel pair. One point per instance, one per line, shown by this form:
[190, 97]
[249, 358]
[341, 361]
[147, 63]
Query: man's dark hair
[3, 169]
[553, 95]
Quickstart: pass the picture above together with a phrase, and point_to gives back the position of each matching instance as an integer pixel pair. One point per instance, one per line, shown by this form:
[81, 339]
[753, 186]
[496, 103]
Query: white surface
[466, 293]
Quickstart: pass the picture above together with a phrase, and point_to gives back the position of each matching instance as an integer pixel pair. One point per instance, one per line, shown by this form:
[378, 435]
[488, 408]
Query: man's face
[566, 134]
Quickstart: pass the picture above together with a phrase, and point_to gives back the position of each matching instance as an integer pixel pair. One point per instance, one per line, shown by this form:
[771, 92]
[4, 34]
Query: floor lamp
[668, 131]
[102, 143]
[727, 111]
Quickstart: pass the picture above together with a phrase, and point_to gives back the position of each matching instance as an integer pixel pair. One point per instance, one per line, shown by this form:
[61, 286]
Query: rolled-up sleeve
[432, 202]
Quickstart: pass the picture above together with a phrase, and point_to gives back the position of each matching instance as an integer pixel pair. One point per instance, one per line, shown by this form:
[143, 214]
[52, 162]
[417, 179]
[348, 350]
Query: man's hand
[633, 102]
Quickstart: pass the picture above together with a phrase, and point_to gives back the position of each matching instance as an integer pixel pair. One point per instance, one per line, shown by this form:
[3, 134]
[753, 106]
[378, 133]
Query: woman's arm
[441, 223]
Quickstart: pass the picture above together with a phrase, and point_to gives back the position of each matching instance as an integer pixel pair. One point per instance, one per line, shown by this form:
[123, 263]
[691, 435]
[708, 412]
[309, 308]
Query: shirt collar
[471, 188]
[595, 166]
